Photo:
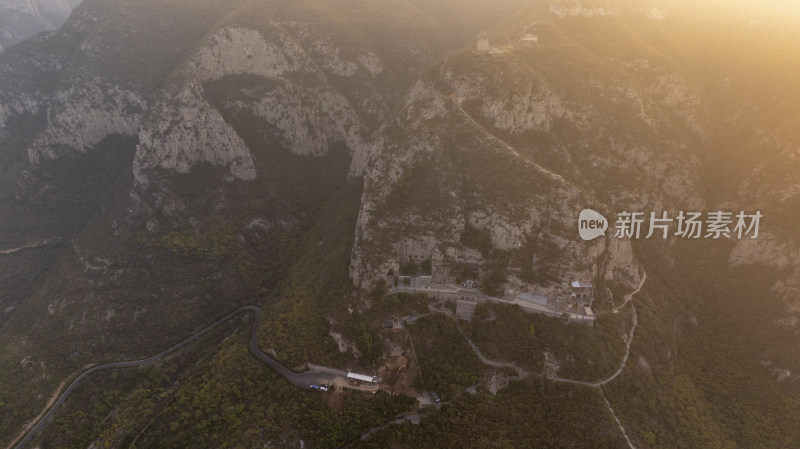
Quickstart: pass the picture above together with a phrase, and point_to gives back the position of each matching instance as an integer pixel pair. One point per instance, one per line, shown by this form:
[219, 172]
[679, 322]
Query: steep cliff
[450, 177]
[561, 145]
[312, 86]
[183, 129]
[82, 115]
[21, 19]
[173, 160]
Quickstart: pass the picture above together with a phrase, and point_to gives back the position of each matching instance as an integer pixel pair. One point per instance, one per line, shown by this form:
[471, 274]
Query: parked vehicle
[355, 379]
[436, 397]
[315, 387]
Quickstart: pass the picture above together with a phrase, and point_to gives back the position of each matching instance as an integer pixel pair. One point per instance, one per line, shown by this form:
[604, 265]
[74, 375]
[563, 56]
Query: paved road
[319, 375]
[527, 306]
[305, 379]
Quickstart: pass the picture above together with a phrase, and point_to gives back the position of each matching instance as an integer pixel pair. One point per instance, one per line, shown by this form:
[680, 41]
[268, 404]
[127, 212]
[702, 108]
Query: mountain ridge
[194, 157]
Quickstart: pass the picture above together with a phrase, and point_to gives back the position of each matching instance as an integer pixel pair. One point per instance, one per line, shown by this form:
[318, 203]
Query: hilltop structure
[483, 44]
[530, 39]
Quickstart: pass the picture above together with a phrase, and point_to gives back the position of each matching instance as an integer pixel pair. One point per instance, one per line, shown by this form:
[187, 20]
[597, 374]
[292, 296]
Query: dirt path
[629, 296]
[599, 384]
[521, 373]
[413, 418]
[619, 423]
[555, 176]
[30, 245]
[628, 341]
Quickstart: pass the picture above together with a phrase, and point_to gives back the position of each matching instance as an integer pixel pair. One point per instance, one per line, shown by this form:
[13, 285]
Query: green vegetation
[205, 260]
[363, 327]
[412, 267]
[228, 399]
[492, 284]
[479, 239]
[584, 352]
[59, 197]
[400, 304]
[702, 372]
[448, 363]
[698, 377]
[531, 413]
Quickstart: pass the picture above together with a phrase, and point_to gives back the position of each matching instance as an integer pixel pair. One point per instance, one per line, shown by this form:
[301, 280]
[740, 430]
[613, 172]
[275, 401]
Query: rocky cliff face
[425, 185]
[532, 151]
[177, 126]
[560, 138]
[222, 135]
[20, 19]
[777, 254]
[183, 129]
[80, 116]
[310, 87]
[300, 86]
[17, 105]
[238, 50]
[771, 185]
[303, 110]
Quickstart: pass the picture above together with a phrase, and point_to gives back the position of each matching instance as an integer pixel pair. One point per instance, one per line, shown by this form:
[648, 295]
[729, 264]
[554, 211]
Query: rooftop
[360, 377]
[539, 299]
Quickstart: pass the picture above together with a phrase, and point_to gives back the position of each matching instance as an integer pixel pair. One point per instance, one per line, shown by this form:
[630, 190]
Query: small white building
[483, 45]
[583, 293]
[354, 378]
[530, 39]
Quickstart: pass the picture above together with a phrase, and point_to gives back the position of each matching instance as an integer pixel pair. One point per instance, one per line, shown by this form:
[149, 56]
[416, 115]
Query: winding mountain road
[316, 375]
[303, 380]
